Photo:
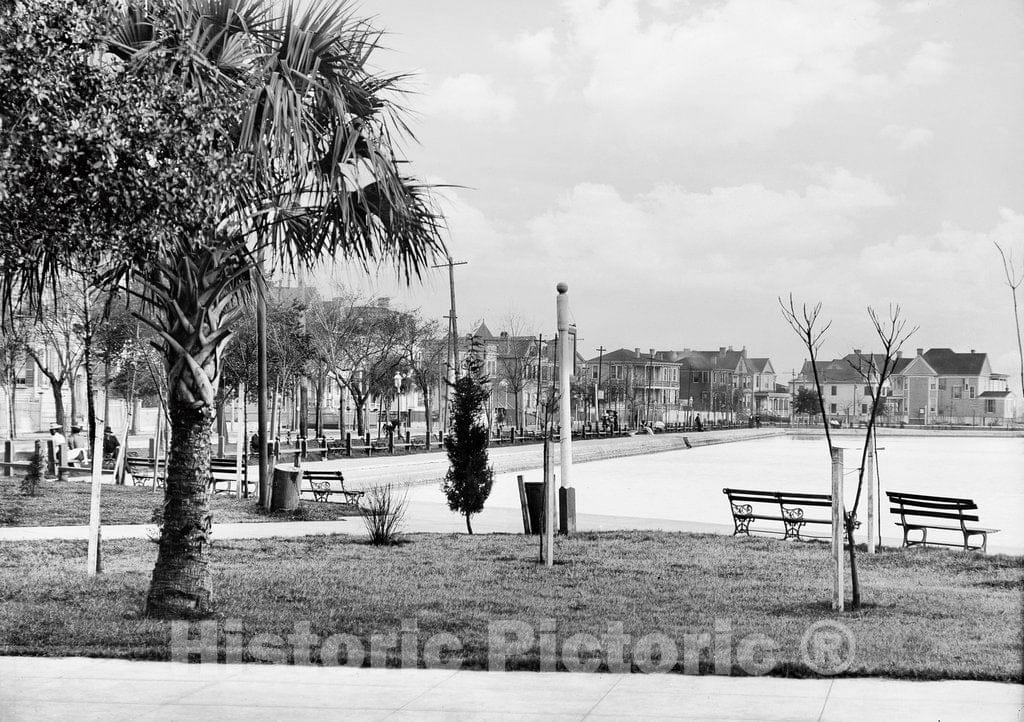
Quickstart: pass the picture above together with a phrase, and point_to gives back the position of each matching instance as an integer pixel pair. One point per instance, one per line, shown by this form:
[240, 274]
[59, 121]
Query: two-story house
[638, 386]
[949, 387]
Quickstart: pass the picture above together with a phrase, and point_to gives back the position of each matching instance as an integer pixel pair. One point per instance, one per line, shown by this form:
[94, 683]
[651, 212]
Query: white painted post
[869, 479]
[240, 435]
[838, 588]
[566, 361]
[93, 558]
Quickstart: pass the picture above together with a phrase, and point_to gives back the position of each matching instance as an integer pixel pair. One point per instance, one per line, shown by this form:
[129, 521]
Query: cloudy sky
[682, 164]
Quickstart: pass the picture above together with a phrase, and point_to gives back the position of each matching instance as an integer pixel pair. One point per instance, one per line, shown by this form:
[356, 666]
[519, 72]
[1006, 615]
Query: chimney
[652, 352]
[636, 352]
[857, 351]
[920, 352]
[721, 349]
[972, 350]
[504, 334]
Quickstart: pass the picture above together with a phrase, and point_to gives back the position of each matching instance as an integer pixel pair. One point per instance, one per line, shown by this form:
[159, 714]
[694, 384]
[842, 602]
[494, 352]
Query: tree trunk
[12, 399]
[854, 581]
[360, 403]
[73, 389]
[426, 413]
[469, 527]
[341, 412]
[58, 402]
[182, 585]
[318, 414]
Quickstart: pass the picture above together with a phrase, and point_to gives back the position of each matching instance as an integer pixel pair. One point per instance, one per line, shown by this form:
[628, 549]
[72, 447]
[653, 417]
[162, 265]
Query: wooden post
[838, 587]
[93, 559]
[547, 536]
[61, 460]
[241, 433]
[523, 504]
[152, 441]
[348, 444]
[869, 479]
[8, 457]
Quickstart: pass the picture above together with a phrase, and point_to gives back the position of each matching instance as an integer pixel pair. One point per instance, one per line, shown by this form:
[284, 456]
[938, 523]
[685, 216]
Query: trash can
[284, 495]
[535, 504]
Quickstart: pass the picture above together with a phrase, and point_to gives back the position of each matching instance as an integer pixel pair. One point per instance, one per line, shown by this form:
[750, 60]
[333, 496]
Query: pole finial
[562, 287]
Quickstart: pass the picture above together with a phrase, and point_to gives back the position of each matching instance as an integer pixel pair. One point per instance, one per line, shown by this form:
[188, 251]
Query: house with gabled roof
[965, 390]
[848, 385]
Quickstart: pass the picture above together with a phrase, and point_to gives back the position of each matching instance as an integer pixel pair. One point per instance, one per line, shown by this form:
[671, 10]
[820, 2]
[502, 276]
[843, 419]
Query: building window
[956, 392]
[863, 408]
[833, 391]
[832, 407]
[990, 406]
[970, 390]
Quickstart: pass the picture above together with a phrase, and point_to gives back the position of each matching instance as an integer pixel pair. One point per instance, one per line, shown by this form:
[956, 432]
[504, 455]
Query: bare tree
[516, 352]
[424, 346]
[875, 369]
[805, 324]
[12, 360]
[1014, 279]
[333, 326]
[55, 345]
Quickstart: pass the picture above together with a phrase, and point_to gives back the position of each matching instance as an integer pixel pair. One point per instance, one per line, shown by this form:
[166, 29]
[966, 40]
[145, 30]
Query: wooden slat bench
[782, 506]
[223, 472]
[141, 468]
[918, 512]
[320, 485]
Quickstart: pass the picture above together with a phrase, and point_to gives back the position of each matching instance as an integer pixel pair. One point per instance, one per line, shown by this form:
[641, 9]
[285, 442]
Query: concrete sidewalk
[33, 688]
[422, 517]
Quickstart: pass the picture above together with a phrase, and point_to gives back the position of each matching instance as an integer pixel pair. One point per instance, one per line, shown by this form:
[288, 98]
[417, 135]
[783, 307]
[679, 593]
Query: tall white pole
[564, 367]
[93, 558]
[869, 479]
[838, 586]
[566, 361]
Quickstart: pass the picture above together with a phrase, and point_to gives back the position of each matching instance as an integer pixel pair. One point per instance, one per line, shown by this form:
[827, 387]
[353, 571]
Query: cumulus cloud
[469, 98]
[908, 138]
[669, 225]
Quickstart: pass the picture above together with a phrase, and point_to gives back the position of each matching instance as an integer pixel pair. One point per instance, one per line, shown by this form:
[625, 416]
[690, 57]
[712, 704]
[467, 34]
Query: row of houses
[937, 386]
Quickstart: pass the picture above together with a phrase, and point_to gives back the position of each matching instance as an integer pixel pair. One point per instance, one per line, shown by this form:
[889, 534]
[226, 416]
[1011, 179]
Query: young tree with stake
[469, 479]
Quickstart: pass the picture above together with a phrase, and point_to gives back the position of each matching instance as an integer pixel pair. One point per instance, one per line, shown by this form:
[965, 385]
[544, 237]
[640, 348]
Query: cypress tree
[469, 479]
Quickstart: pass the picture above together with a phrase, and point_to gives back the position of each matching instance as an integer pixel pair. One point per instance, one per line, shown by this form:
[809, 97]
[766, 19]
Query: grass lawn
[60, 503]
[928, 614]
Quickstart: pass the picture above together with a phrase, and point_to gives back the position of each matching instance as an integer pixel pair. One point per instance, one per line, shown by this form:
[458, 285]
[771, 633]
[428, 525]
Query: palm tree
[302, 157]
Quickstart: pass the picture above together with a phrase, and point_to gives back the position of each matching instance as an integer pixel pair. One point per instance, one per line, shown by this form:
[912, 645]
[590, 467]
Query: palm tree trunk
[182, 584]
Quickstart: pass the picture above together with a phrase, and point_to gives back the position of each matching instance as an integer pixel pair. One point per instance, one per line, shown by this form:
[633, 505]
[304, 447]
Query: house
[718, 381]
[768, 396]
[949, 387]
[848, 385]
[638, 386]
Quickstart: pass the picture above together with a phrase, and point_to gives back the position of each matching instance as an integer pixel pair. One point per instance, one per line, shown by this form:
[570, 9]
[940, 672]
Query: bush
[383, 512]
[34, 475]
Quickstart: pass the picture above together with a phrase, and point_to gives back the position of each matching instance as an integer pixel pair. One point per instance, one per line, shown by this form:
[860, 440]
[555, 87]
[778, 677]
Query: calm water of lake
[687, 485]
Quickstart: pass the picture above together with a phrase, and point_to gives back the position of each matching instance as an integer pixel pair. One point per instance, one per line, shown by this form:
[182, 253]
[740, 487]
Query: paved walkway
[422, 517]
[33, 688]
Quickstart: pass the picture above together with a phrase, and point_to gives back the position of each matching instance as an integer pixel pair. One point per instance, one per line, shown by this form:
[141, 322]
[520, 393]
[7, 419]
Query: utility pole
[453, 327]
[597, 386]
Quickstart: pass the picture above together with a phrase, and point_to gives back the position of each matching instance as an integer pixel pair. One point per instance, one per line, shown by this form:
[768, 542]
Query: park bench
[786, 507]
[918, 512]
[320, 484]
[141, 469]
[224, 472]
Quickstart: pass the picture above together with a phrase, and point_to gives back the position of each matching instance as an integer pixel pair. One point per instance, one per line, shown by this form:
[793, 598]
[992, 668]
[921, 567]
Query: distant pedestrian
[110, 445]
[698, 424]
